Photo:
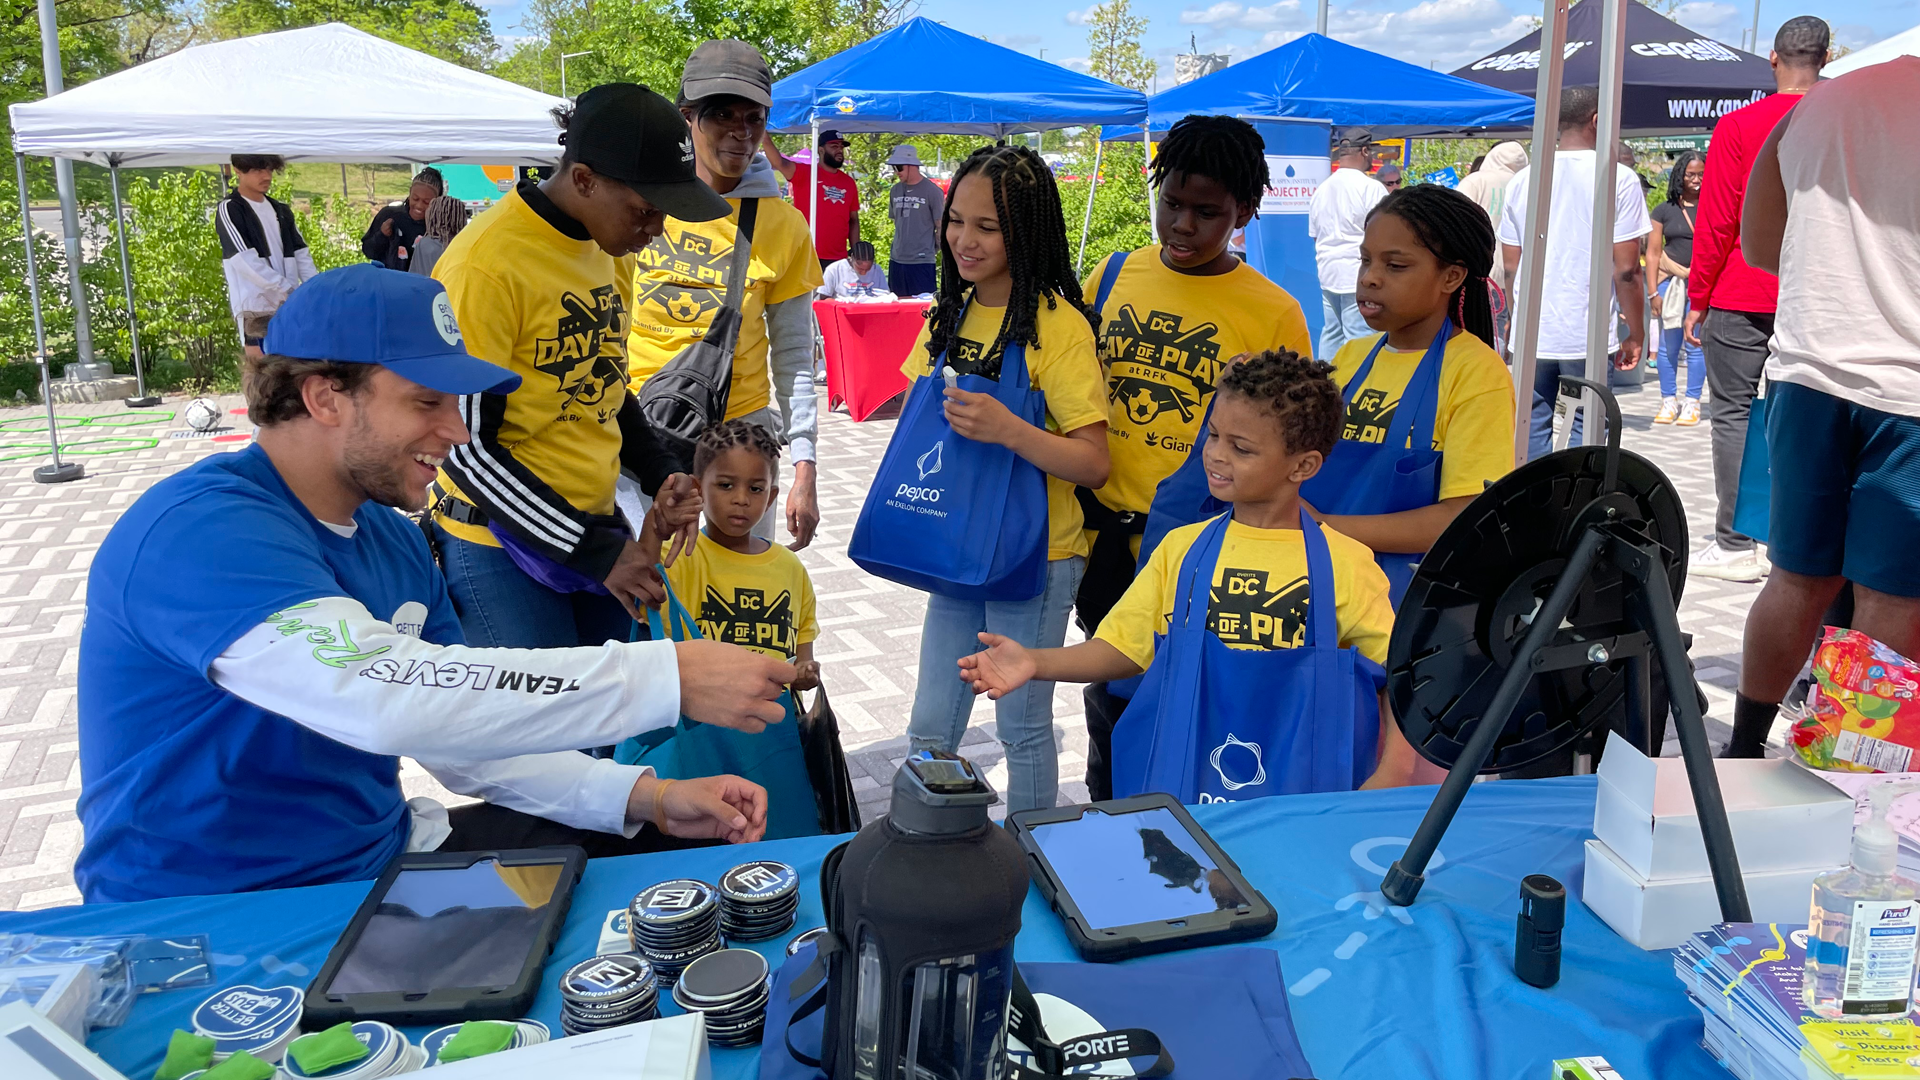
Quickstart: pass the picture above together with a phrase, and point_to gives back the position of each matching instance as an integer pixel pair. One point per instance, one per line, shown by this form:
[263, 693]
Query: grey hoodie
[790, 331]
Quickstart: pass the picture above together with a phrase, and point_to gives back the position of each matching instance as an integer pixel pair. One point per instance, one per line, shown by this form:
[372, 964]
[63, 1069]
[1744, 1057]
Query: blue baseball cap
[367, 314]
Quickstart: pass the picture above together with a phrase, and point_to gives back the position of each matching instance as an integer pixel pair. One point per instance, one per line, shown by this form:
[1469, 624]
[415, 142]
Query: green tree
[186, 324]
[1113, 45]
[455, 30]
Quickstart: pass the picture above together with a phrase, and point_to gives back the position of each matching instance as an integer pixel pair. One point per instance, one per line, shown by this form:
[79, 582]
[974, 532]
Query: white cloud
[1854, 36]
[1442, 34]
[1708, 17]
[1021, 42]
[1080, 64]
[1079, 18]
[1273, 39]
[1230, 15]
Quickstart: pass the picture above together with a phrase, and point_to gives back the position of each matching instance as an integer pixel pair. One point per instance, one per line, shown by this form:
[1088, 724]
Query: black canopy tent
[1675, 80]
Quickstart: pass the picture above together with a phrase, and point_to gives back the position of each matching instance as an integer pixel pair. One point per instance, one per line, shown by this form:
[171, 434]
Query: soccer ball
[203, 414]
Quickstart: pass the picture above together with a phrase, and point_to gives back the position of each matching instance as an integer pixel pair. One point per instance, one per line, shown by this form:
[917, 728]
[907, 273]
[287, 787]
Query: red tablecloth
[865, 346]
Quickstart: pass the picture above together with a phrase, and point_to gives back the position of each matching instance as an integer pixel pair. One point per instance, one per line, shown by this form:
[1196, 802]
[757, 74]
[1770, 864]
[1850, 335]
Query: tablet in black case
[448, 936]
[1137, 876]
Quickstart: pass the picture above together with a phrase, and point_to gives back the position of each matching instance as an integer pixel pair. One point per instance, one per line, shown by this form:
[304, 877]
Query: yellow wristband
[660, 804]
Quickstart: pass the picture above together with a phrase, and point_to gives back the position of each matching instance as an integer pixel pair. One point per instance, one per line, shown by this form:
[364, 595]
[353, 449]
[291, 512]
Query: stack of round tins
[261, 1022]
[758, 900]
[608, 991]
[673, 924]
[525, 1033]
[388, 1054]
[731, 988]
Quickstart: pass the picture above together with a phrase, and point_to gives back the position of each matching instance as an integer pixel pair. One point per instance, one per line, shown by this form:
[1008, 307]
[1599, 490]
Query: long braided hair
[1677, 176]
[1034, 229]
[1459, 233]
[446, 216]
[1224, 149]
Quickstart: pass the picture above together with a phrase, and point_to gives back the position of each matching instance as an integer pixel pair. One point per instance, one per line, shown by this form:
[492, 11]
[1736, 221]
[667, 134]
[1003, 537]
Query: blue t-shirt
[185, 788]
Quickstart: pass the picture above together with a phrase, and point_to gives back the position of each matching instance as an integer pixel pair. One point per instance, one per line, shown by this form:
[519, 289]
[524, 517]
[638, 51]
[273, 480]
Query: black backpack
[689, 394]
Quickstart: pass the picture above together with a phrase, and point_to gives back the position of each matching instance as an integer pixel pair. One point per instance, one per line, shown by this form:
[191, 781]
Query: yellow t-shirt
[1063, 368]
[553, 309]
[1473, 418]
[763, 602]
[682, 283]
[1259, 594]
[1164, 337]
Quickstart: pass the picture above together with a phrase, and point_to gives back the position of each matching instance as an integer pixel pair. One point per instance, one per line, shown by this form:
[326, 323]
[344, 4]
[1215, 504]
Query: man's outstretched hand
[731, 687]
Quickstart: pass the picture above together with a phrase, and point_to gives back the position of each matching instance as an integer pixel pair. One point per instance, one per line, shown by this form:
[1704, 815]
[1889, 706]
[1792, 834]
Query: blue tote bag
[1183, 497]
[773, 758]
[1752, 509]
[952, 516]
[1212, 723]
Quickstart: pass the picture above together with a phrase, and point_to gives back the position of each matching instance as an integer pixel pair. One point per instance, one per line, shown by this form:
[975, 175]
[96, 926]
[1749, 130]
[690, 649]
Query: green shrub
[186, 323]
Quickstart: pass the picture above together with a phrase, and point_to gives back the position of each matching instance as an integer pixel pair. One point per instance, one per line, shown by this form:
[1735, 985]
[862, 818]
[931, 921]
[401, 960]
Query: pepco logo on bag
[929, 462]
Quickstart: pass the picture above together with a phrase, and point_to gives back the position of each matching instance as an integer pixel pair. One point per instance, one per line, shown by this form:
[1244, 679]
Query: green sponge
[476, 1038]
[241, 1066]
[322, 1050]
[186, 1052]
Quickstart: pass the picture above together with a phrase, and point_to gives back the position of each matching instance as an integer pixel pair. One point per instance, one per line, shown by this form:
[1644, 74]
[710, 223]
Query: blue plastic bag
[1753, 505]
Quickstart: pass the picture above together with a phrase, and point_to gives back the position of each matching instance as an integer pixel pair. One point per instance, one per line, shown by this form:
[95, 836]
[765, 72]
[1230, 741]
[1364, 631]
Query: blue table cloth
[1376, 991]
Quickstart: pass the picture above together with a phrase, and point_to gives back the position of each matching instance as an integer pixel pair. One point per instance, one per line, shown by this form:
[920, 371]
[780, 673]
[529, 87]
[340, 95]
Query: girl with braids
[1273, 714]
[446, 216]
[1007, 282]
[1170, 315]
[1429, 405]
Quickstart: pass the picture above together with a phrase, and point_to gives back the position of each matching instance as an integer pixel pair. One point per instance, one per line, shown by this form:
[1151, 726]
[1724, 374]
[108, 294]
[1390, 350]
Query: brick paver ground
[869, 644]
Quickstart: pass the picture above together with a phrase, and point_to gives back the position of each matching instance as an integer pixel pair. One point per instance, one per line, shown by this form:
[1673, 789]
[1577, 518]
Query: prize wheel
[1475, 593]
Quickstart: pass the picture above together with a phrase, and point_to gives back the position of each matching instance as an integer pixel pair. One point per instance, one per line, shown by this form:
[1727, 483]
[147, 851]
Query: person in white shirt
[1563, 299]
[1337, 221]
[1832, 207]
[855, 276]
[261, 250]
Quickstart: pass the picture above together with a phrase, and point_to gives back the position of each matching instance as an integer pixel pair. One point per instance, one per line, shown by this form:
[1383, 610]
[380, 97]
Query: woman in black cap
[725, 91]
[531, 539]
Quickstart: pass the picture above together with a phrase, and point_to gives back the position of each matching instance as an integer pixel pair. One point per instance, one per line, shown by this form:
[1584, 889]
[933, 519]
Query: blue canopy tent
[925, 78]
[1317, 78]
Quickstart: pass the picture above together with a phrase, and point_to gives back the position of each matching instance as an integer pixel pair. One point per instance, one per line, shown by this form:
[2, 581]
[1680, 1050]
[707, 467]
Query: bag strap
[1054, 1061]
[742, 253]
[1323, 624]
[1108, 276]
[678, 624]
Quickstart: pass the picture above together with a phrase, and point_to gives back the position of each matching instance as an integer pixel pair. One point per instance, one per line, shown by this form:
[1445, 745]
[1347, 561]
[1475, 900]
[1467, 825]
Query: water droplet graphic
[1289, 170]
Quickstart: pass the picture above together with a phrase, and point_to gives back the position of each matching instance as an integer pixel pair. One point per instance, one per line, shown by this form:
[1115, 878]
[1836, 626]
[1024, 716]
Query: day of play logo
[1157, 364]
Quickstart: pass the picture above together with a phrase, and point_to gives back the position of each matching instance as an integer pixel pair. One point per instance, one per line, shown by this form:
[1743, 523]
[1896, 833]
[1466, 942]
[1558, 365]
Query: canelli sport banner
[1676, 79]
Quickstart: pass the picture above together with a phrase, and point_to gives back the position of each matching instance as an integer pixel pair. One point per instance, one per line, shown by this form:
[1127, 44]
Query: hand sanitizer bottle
[1864, 927]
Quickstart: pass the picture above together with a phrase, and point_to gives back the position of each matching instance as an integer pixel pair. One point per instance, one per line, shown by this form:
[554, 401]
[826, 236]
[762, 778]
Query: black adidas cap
[628, 133]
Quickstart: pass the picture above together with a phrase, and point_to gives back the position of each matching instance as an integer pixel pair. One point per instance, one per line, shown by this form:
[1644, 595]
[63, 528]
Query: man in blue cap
[265, 639]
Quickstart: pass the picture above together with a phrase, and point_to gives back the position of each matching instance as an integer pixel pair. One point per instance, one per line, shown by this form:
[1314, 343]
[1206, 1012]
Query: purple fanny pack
[559, 578]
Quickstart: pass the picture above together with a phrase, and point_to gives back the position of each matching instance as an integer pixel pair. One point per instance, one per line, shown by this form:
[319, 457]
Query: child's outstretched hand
[806, 675]
[1004, 667]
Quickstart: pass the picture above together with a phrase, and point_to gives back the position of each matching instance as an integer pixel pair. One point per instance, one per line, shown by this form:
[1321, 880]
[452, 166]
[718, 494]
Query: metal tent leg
[59, 472]
[141, 400]
[1086, 224]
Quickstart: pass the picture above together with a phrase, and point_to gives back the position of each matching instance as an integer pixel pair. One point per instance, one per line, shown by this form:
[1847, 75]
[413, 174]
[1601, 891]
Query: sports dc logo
[845, 105]
[1230, 761]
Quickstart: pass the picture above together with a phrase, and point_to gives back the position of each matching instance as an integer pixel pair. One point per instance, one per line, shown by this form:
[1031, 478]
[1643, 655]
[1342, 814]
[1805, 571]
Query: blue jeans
[1673, 345]
[1546, 384]
[1341, 323]
[501, 607]
[942, 703]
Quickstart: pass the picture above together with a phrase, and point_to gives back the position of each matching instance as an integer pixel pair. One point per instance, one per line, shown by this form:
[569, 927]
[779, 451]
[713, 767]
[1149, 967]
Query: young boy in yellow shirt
[1287, 696]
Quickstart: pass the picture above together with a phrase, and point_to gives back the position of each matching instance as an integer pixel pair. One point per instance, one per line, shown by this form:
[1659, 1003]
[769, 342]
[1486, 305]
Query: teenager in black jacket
[390, 238]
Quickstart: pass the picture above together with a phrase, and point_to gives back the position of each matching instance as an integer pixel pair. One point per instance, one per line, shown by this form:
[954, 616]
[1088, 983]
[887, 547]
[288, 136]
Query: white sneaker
[1669, 408]
[1714, 561]
[1689, 413]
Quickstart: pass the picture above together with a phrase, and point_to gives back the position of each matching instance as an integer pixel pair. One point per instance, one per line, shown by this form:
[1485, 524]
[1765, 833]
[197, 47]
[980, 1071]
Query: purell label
[1880, 956]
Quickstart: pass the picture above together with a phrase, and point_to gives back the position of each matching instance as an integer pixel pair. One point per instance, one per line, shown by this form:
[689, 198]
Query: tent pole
[141, 400]
[59, 472]
[1613, 48]
[1524, 333]
[1099, 148]
[813, 195]
[1146, 177]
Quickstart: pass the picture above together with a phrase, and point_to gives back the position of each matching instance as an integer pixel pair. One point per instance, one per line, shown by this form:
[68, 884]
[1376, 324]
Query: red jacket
[1719, 276]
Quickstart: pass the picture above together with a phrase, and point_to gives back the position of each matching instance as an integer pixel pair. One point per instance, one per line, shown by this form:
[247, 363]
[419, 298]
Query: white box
[670, 1048]
[1661, 914]
[34, 1048]
[1784, 817]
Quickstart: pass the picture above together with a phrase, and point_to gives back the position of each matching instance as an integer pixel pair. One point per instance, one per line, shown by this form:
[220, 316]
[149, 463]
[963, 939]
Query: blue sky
[1443, 33]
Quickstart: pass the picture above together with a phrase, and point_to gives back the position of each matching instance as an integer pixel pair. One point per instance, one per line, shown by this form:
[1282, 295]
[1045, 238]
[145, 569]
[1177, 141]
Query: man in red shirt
[1733, 303]
[839, 196]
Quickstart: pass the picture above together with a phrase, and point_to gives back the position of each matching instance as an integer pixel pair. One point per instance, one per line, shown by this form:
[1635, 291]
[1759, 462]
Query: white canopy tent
[324, 93]
[1904, 43]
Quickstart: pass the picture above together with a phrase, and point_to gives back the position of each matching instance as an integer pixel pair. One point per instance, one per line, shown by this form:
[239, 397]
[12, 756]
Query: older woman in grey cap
[916, 205]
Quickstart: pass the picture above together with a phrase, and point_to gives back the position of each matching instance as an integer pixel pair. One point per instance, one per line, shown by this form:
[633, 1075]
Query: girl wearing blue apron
[1261, 632]
[1428, 406]
[973, 501]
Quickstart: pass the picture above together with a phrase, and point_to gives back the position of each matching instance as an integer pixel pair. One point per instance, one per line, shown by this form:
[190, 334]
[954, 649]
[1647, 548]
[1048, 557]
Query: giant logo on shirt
[1157, 364]
[750, 620]
[584, 353]
[683, 279]
[1245, 609]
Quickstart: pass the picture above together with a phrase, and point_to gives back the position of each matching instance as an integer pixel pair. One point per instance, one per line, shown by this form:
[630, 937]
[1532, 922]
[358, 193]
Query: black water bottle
[1536, 947]
[924, 905]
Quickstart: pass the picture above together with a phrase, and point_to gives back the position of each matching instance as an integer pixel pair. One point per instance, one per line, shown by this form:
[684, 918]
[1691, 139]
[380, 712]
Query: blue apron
[1183, 497]
[952, 516]
[773, 758]
[1217, 724]
[1391, 475]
